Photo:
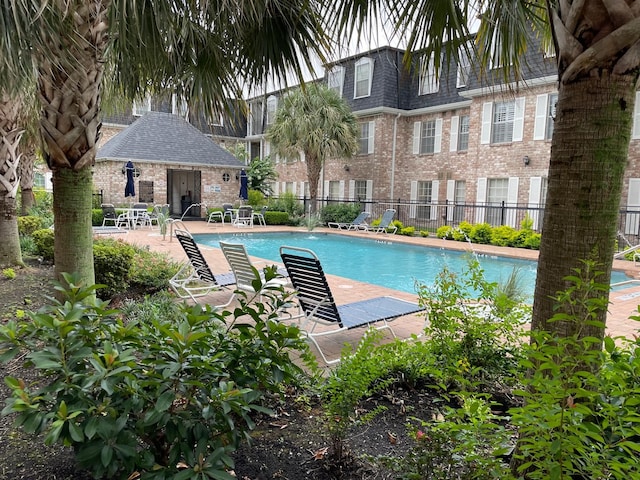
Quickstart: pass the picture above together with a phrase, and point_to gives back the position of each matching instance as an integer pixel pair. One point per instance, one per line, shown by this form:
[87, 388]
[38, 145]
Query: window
[335, 79]
[429, 82]
[360, 189]
[502, 122]
[334, 190]
[366, 138]
[255, 118]
[363, 78]
[502, 128]
[463, 133]
[218, 120]
[427, 136]
[464, 68]
[635, 133]
[272, 105]
[497, 192]
[459, 198]
[179, 106]
[424, 198]
[545, 116]
[140, 107]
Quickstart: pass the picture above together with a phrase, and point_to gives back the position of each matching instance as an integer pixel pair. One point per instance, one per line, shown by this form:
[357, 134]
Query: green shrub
[43, 240]
[446, 231]
[399, 226]
[96, 217]
[519, 238]
[28, 245]
[425, 233]
[502, 236]
[9, 273]
[256, 198]
[112, 262]
[29, 224]
[340, 212]
[463, 232]
[526, 223]
[276, 218]
[408, 231]
[151, 271]
[168, 397]
[481, 233]
[533, 241]
[287, 202]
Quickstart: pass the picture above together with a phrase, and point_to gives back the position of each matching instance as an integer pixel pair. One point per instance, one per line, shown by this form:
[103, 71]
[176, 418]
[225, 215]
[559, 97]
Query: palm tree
[315, 121]
[202, 50]
[10, 134]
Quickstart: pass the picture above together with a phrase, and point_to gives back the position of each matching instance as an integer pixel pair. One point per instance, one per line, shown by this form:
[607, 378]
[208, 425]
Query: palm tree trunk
[588, 160]
[10, 135]
[313, 175]
[27, 175]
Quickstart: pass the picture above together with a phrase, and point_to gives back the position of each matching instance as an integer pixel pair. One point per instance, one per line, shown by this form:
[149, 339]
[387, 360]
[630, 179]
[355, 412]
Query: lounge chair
[386, 223]
[319, 308]
[195, 279]
[359, 222]
[245, 272]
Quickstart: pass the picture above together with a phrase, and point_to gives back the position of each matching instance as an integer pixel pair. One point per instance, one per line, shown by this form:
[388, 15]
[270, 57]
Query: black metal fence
[429, 217]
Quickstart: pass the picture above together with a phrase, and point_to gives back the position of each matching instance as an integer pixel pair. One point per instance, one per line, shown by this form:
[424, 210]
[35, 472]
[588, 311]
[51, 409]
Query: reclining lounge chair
[360, 222]
[195, 279]
[318, 306]
[386, 223]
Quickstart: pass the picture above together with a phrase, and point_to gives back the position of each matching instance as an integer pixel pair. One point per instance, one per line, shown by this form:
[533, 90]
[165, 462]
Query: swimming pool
[380, 262]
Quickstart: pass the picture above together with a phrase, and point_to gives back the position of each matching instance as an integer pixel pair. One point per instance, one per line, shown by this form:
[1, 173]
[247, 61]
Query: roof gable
[165, 138]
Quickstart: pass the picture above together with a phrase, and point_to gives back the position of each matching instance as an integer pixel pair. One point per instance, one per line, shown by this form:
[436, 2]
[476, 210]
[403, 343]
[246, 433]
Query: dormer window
[140, 107]
[429, 79]
[363, 78]
[335, 79]
[272, 106]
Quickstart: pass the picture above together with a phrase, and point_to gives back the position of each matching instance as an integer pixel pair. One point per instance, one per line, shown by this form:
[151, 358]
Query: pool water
[380, 262]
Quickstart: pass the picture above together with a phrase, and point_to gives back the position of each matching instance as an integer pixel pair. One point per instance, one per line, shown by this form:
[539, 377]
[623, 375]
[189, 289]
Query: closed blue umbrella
[244, 185]
[129, 189]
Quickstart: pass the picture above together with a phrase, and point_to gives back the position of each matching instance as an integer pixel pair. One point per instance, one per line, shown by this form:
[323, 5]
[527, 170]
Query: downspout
[393, 156]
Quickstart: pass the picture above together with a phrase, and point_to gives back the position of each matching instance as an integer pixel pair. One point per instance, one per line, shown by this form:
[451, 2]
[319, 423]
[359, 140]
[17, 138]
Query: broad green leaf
[106, 454]
[165, 400]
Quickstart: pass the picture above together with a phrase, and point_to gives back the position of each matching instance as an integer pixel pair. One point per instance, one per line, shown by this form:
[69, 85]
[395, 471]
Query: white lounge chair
[360, 222]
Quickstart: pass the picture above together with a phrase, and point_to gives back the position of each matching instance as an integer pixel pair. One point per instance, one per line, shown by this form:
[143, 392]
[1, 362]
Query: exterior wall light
[526, 160]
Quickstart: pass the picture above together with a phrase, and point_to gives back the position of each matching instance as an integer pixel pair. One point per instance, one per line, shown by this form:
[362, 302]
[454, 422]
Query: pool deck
[623, 303]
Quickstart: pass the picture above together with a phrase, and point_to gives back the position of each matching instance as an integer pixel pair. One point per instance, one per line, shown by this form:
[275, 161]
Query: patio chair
[109, 215]
[154, 216]
[244, 217]
[386, 223]
[140, 215]
[259, 216]
[226, 212]
[319, 308]
[195, 279]
[244, 270]
[359, 222]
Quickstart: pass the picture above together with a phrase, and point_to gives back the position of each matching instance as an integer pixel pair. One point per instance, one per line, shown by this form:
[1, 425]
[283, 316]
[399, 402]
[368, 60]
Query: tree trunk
[313, 174]
[10, 135]
[27, 174]
[72, 202]
[588, 160]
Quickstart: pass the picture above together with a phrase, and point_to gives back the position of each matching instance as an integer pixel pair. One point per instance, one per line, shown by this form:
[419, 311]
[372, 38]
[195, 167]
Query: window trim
[429, 79]
[360, 63]
[272, 107]
[135, 110]
[336, 73]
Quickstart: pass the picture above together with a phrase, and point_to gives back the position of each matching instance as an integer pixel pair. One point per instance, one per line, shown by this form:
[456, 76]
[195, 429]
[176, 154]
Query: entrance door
[184, 190]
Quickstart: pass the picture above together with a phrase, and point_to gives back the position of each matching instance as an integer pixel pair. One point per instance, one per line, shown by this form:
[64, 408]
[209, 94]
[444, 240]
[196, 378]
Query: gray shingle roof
[165, 138]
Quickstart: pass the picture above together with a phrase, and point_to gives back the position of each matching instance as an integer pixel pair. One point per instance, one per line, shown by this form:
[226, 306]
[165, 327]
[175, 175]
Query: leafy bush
[43, 207]
[287, 202]
[28, 245]
[425, 233]
[96, 217]
[112, 263]
[255, 198]
[481, 233]
[408, 231]
[168, 397]
[463, 232]
[502, 236]
[533, 241]
[399, 226]
[340, 212]
[445, 231]
[276, 218]
[151, 271]
[29, 224]
[43, 240]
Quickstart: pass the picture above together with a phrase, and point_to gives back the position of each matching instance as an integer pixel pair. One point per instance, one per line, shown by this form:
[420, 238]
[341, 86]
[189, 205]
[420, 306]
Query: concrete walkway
[624, 303]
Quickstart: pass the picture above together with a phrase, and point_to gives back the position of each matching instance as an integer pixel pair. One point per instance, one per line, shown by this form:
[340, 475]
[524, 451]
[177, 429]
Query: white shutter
[632, 223]
[435, 193]
[437, 143]
[293, 187]
[512, 201]
[481, 199]
[417, 129]
[413, 197]
[636, 117]
[540, 124]
[372, 127]
[451, 196]
[535, 191]
[369, 190]
[518, 120]
[352, 189]
[276, 188]
[453, 136]
[341, 190]
[267, 149]
[485, 133]
[301, 189]
[325, 190]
